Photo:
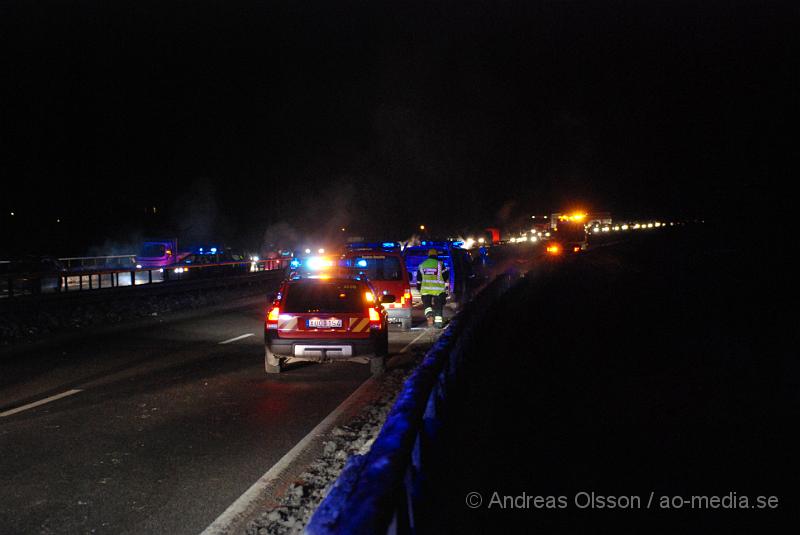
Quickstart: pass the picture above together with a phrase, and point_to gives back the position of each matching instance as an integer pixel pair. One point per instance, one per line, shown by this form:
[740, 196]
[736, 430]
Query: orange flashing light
[554, 249]
[577, 216]
[273, 314]
[369, 297]
[373, 315]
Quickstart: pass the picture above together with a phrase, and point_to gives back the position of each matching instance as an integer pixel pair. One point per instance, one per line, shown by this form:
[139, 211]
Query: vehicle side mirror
[385, 299]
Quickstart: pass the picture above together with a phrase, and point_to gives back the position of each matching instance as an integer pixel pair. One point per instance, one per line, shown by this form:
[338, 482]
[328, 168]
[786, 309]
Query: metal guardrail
[384, 491]
[74, 263]
[15, 285]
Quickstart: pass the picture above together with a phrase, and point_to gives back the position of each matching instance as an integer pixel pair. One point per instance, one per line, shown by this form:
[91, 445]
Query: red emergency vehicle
[384, 266]
[330, 316]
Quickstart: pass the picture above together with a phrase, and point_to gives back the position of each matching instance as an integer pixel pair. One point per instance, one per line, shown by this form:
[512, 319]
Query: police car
[384, 266]
[326, 313]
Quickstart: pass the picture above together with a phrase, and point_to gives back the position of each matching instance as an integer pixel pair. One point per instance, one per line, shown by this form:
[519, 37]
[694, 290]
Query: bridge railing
[384, 491]
[19, 284]
[74, 263]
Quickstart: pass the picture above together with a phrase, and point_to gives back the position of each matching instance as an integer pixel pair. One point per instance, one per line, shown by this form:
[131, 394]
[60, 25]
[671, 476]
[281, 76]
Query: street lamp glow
[321, 250]
[422, 227]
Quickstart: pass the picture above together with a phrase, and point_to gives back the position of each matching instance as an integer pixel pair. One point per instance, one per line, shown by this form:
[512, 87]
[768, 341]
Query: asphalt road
[159, 428]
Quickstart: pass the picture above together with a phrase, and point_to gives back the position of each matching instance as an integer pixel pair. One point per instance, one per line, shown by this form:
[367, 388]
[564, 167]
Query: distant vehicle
[327, 317]
[455, 259]
[569, 235]
[212, 261]
[384, 266]
[159, 253]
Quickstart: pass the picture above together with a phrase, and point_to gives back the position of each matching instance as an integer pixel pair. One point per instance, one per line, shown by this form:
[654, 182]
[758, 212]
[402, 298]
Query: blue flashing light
[213, 250]
[316, 263]
[361, 263]
[201, 249]
[295, 263]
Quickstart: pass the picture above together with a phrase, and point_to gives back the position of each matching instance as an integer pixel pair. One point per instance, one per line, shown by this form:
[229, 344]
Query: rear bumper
[330, 349]
[399, 313]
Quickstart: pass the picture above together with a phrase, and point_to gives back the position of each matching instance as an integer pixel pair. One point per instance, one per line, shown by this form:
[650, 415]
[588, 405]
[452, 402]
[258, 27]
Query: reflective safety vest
[432, 281]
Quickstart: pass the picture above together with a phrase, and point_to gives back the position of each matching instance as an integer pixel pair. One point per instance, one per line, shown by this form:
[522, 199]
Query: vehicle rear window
[324, 296]
[378, 267]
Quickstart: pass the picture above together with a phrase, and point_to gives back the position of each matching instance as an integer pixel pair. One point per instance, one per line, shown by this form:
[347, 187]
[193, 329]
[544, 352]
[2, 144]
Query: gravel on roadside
[355, 437]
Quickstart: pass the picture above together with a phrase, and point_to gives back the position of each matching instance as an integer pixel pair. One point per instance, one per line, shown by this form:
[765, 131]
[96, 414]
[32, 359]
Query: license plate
[324, 324]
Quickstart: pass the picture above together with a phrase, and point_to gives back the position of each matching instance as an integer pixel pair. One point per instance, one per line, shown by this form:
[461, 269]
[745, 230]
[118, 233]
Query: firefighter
[432, 280]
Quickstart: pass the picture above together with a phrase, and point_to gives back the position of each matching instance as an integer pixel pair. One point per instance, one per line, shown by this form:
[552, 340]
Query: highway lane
[169, 425]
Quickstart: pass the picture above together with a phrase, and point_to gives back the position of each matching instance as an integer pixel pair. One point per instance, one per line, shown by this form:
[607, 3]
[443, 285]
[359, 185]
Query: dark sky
[233, 117]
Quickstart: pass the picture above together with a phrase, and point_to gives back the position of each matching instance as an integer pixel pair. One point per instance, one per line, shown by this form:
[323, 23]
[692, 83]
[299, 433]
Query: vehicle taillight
[406, 298]
[374, 318]
[576, 249]
[554, 249]
[272, 318]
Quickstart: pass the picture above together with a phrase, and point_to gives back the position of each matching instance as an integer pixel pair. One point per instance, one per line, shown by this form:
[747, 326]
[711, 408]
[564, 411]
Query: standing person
[432, 279]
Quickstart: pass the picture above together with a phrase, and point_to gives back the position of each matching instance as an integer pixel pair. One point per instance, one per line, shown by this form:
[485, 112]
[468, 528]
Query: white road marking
[248, 335]
[38, 403]
[412, 342]
[244, 503]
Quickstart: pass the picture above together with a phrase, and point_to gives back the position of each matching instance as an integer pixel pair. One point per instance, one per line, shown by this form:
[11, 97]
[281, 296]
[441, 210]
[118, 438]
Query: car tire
[272, 364]
[377, 364]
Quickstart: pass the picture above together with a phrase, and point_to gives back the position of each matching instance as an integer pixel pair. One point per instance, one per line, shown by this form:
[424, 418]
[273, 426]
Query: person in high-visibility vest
[432, 281]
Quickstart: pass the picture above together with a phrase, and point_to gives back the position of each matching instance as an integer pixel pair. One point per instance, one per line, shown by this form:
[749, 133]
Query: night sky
[236, 119]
